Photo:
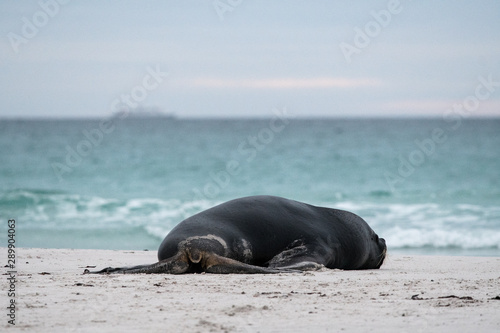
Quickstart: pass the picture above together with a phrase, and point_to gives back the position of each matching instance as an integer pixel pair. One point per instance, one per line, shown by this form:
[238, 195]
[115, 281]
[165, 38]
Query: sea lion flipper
[174, 265]
[297, 257]
[106, 270]
[221, 265]
[301, 266]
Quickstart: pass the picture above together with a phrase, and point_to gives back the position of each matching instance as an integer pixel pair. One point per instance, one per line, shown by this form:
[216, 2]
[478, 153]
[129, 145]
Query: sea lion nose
[382, 241]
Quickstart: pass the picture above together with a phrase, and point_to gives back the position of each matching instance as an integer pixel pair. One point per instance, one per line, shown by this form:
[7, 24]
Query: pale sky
[242, 58]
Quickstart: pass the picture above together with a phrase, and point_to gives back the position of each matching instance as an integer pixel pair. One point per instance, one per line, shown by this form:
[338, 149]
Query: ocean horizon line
[175, 117]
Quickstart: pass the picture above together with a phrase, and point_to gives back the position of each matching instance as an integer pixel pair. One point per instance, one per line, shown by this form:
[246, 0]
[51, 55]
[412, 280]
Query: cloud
[436, 107]
[280, 83]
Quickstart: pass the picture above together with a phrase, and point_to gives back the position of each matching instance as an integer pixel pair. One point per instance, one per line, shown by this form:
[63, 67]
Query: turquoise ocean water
[427, 186]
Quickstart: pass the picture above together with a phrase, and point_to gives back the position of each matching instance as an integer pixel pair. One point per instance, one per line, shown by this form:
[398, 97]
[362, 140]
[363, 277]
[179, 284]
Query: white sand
[455, 294]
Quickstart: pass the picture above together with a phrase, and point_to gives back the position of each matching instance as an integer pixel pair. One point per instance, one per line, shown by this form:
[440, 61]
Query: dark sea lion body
[266, 234]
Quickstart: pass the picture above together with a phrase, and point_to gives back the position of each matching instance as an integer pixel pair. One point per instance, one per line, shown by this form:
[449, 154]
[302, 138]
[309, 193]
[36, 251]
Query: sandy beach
[408, 294]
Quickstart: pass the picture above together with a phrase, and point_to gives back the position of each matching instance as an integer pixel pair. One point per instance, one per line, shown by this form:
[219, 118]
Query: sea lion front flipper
[301, 266]
[298, 257]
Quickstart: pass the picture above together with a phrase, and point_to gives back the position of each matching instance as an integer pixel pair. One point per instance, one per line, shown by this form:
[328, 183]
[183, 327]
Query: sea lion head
[378, 251]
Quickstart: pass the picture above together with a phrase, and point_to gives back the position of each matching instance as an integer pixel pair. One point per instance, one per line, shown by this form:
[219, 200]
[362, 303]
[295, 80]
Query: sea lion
[265, 234]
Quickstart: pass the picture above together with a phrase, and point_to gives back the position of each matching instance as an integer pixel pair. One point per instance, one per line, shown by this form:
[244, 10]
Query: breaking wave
[80, 218]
